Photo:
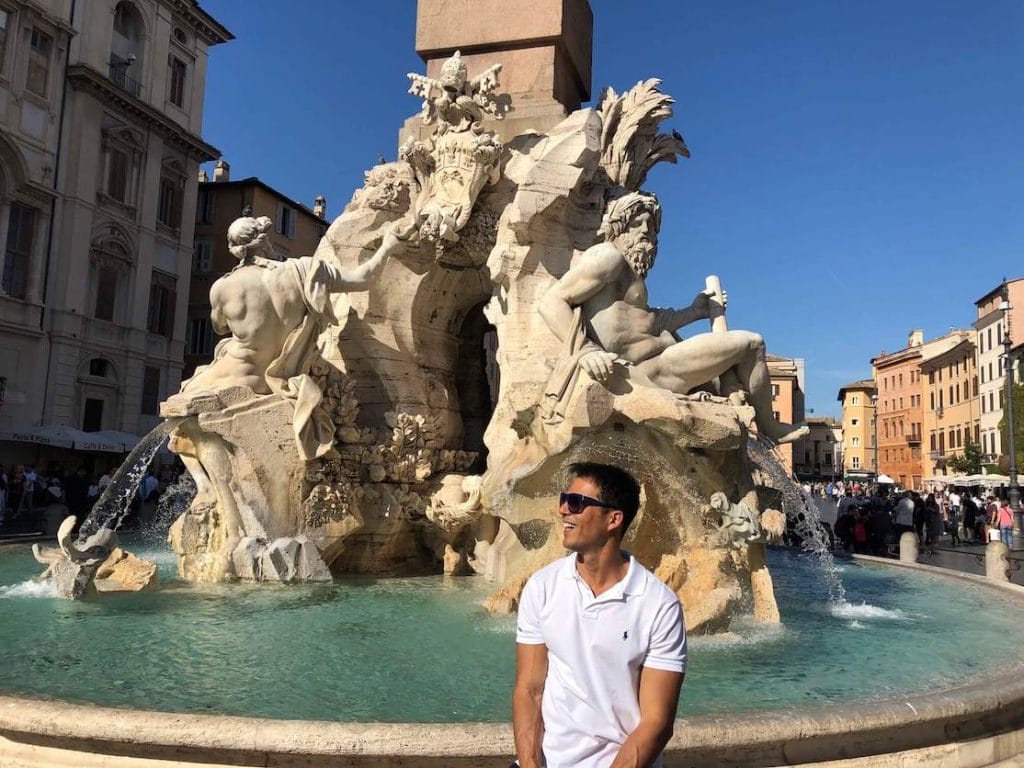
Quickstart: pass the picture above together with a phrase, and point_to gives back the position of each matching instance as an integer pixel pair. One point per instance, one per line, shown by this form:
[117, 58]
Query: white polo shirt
[596, 647]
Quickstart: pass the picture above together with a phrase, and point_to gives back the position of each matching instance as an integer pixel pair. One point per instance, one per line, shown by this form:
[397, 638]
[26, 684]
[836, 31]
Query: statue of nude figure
[262, 301]
[607, 282]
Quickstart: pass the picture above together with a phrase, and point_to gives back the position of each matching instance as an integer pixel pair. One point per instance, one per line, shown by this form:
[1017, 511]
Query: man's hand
[599, 364]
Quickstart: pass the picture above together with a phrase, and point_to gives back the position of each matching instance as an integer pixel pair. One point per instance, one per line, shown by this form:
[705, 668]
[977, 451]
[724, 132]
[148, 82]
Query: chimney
[320, 206]
[222, 171]
[915, 339]
[203, 178]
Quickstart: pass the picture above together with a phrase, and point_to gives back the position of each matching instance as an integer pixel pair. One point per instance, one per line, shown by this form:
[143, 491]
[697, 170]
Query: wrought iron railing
[120, 78]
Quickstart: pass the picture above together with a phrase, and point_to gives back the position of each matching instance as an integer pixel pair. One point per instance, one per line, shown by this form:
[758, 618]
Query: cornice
[85, 78]
[207, 27]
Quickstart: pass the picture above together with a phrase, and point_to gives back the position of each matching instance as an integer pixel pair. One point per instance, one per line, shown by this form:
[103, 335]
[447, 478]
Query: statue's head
[454, 74]
[248, 237]
[631, 221]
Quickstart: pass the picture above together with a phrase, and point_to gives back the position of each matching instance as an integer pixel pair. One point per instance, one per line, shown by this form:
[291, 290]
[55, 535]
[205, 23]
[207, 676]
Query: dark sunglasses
[577, 502]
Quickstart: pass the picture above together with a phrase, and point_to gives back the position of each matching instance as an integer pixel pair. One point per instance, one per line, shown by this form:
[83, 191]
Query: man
[600, 641]
[607, 283]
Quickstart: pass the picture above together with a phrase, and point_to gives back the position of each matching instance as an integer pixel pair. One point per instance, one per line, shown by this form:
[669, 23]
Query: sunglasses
[577, 502]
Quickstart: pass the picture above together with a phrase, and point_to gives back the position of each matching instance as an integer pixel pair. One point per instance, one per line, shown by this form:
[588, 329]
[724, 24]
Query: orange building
[858, 436]
[951, 416]
[787, 378]
[297, 232]
[900, 413]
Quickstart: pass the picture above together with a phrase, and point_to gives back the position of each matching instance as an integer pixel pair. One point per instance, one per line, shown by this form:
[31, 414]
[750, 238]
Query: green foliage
[1018, 425]
[970, 462]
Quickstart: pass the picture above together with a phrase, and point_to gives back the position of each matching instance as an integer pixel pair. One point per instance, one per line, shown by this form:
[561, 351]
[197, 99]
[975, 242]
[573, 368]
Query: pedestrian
[600, 641]
[28, 490]
[933, 522]
[1004, 519]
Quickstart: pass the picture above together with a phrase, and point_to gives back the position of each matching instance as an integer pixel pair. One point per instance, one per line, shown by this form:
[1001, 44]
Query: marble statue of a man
[614, 323]
[274, 311]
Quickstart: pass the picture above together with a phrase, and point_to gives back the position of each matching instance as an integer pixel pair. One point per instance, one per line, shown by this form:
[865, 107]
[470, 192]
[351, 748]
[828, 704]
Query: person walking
[1004, 518]
[953, 523]
[600, 640]
[933, 522]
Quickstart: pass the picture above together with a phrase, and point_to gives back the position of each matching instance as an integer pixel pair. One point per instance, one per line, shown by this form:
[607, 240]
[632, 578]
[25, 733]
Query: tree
[970, 462]
[1018, 426]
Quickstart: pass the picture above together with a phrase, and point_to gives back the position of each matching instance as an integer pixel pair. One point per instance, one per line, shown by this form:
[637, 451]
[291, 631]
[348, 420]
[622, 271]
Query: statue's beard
[640, 253]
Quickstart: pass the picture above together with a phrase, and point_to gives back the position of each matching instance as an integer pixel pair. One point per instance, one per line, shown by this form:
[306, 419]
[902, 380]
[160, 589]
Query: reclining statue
[599, 310]
[273, 311]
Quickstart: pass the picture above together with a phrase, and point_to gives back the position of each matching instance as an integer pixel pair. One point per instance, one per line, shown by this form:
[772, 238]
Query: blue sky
[857, 167]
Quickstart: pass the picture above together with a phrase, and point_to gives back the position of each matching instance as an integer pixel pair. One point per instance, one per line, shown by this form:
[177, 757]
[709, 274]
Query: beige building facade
[819, 454]
[857, 426]
[95, 298]
[951, 405]
[992, 324]
[297, 231]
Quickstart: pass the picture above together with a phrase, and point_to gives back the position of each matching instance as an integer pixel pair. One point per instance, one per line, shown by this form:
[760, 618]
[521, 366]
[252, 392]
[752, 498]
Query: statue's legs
[699, 359]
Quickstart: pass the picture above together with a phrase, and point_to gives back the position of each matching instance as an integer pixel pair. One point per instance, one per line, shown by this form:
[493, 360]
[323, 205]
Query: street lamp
[1005, 307]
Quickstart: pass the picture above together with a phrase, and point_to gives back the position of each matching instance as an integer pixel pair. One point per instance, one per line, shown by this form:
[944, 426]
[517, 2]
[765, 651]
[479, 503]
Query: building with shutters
[98, 159]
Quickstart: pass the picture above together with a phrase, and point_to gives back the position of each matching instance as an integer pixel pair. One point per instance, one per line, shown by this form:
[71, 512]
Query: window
[854, 422]
[21, 226]
[983, 405]
[931, 442]
[176, 82]
[855, 442]
[775, 391]
[106, 293]
[202, 260]
[98, 367]
[854, 400]
[150, 390]
[200, 336]
[286, 220]
[92, 415]
[988, 333]
[776, 416]
[999, 333]
[991, 402]
[204, 204]
[4, 17]
[117, 174]
[990, 377]
[855, 462]
[38, 75]
[161, 305]
[901, 379]
[169, 205]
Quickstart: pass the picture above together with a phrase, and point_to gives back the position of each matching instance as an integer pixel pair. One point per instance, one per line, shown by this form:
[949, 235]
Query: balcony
[120, 78]
[913, 439]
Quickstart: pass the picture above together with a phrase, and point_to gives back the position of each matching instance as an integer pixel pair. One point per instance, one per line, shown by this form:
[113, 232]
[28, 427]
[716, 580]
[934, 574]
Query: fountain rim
[986, 708]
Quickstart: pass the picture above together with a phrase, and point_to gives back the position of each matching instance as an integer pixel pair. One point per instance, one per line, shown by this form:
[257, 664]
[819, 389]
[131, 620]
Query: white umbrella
[125, 440]
[98, 441]
[61, 437]
[885, 479]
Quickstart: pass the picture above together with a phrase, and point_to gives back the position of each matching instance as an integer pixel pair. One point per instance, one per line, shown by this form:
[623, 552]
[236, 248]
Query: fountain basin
[974, 723]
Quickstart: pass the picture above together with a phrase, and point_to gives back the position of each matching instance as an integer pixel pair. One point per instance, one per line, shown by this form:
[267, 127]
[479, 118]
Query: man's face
[639, 242]
[589, 529]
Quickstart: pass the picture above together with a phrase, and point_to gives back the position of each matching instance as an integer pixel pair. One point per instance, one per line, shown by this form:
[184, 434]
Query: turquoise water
[421, 649]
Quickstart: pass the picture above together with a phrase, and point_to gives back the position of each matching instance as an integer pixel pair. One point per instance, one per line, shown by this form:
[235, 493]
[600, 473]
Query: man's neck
[602, 569]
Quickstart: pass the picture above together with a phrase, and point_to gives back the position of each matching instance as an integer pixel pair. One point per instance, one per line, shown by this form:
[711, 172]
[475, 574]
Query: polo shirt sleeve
[667, 649]
[528, 629]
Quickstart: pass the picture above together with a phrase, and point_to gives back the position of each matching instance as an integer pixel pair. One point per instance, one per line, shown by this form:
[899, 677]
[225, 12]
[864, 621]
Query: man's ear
[616, 518]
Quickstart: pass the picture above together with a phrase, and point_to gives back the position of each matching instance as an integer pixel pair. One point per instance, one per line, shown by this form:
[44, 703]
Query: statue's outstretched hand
[702, 303]
[599, 364]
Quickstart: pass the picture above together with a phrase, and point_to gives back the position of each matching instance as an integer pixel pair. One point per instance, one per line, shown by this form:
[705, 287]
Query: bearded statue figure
[599, 310]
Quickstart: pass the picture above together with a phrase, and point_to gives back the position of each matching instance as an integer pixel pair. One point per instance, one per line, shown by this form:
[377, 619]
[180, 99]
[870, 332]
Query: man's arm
[527, 722]
[699, 309]
[659, 698]
[217, 319]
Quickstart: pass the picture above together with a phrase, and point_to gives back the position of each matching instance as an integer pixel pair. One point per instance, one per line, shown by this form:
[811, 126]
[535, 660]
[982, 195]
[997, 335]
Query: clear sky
[857, 168]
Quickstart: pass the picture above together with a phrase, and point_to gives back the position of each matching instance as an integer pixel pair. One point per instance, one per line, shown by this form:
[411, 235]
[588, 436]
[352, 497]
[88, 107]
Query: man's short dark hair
[616, 485]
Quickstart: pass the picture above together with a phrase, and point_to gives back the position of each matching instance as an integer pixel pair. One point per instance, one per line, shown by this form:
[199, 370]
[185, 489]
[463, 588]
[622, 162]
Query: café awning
[66, 437]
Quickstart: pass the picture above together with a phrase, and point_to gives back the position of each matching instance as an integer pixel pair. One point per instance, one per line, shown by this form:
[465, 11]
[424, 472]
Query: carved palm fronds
[630, 142]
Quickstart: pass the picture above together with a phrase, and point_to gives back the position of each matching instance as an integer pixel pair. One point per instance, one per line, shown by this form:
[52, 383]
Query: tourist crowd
[37, 500]
[872, 523]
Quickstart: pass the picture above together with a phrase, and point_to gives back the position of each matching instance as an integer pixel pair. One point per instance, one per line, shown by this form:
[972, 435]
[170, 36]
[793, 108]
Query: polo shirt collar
[632, 584]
